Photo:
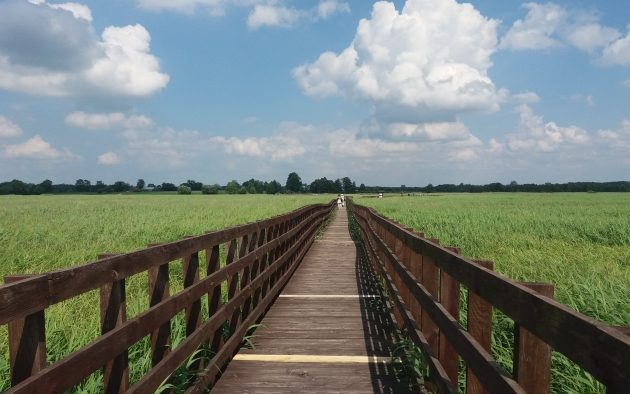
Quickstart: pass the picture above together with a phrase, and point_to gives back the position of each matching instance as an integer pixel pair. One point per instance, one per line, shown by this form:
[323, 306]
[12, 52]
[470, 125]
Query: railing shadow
[380, 332]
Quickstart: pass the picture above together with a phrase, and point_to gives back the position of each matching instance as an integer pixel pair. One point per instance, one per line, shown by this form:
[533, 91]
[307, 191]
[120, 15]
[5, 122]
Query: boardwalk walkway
[328, 331]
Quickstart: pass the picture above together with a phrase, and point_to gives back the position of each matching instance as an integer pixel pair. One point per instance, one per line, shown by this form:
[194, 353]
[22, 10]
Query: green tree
[46, 186]
[232, 187]
[140, 184]
[210, 189]
[274, 187]
[294, 182]
[184, 189]
[338, 186]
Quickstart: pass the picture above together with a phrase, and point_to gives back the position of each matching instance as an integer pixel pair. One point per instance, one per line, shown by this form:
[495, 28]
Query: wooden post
[27, 341]
[113, 315]
[249, 274]
[449, 298]
[190, 268]
[233, 283]
[214, 296]
[431, 281]
[480, 328]
[415, 266]
[532, 356]
[159, 291]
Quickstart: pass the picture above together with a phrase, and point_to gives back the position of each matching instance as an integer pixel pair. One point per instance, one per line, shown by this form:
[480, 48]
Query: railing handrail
[596, 347]
[45, 289]
[254, 273]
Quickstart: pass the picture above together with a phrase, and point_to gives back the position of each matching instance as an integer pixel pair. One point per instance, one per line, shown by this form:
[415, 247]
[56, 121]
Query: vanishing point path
[328, 332]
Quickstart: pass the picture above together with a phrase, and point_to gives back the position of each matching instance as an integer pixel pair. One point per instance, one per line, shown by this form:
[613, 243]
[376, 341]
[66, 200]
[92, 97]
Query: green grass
[579, 242]
[43, 233]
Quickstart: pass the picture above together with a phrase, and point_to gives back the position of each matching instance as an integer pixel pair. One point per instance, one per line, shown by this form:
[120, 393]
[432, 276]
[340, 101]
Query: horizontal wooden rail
[268, 249]
[599, 349]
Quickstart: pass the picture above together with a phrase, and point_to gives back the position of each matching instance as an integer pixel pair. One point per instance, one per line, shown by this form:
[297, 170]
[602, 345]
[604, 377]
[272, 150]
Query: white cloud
[537, 136]
[551, 25]
[8, 129]
[425, 63]
[37, 148]
[213, 7]
[95, 121]
[618, 139]
[428, 131]
[463, 155]
[53, 51]
[277, 15]
[79, 11]
[618, 52]
[327, 8]
[536, 30]
[525, 98]
[268, 15]
[591, 36]
[108, 159]
[587, 99]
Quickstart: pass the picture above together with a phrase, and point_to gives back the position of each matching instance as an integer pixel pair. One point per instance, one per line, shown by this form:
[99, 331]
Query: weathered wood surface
[330, 307]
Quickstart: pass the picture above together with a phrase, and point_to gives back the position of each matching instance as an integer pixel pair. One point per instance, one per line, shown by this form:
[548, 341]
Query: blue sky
[405, 92]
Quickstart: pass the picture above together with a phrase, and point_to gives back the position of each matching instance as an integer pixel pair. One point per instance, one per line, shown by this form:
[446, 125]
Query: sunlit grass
[43, 233]
[579, 242]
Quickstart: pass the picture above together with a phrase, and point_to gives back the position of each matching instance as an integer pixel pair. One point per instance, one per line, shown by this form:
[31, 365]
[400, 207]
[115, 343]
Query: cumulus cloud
[270, 15]
[276, 148]
[214, 7]
[277, 15]
[8, 129]
[536, 30]
[551, 25]
[37, 148]
[537, 136]
[53, 50]
[618, 139]
[94, 121]
[108, 159]
[525, 98]
[427, 62]
[618, 52]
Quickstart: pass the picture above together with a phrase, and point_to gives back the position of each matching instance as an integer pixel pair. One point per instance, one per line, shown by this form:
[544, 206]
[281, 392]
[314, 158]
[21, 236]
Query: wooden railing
[423, 280]
[260, 258]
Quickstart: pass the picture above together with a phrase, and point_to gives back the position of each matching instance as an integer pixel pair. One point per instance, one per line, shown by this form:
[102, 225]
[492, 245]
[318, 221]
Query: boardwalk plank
[345, 320]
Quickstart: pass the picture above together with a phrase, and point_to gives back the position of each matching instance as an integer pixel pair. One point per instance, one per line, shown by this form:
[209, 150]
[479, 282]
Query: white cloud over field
[53, 50]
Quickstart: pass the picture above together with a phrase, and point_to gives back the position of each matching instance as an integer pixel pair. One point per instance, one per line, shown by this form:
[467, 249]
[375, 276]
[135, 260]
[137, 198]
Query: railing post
[431, 281]
[532, 356]
[415, 266]
[232, 283]
[214, 296]
[159, 291]
[190, 269]
[27, 341]
[114, 314]
[480, 328]
[449, 298]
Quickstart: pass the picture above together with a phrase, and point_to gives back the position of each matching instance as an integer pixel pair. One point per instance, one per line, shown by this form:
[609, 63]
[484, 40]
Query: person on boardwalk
[339, 202]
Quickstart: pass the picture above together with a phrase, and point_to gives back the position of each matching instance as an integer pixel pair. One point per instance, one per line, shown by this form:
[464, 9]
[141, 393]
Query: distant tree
[151, 185]
[338, 186]
[46, 186]
[349, 187]
[294, 183]
[210, 189]
[184, 189]
[168, 187]
[274, 187]
[140, 184]
[120, 186]
[99, 187]
[193, 185]
[82, 185]
[232, 187]
[362, 188]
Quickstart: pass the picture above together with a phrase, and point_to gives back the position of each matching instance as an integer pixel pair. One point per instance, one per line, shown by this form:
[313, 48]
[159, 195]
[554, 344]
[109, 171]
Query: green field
[579, 242]
[42, 233]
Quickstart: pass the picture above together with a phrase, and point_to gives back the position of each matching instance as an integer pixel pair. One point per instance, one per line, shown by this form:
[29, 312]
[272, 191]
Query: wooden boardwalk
[328, 331]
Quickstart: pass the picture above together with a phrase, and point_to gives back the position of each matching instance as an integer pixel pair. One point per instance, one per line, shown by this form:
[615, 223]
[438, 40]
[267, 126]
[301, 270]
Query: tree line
[294, 184]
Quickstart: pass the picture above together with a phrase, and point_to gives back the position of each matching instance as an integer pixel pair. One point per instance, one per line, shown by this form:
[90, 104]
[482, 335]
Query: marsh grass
[43, 233]
[579, 242]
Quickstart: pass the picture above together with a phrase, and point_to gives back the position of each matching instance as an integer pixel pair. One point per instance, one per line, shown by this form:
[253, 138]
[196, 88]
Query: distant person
[343, 200]
[339, 202]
